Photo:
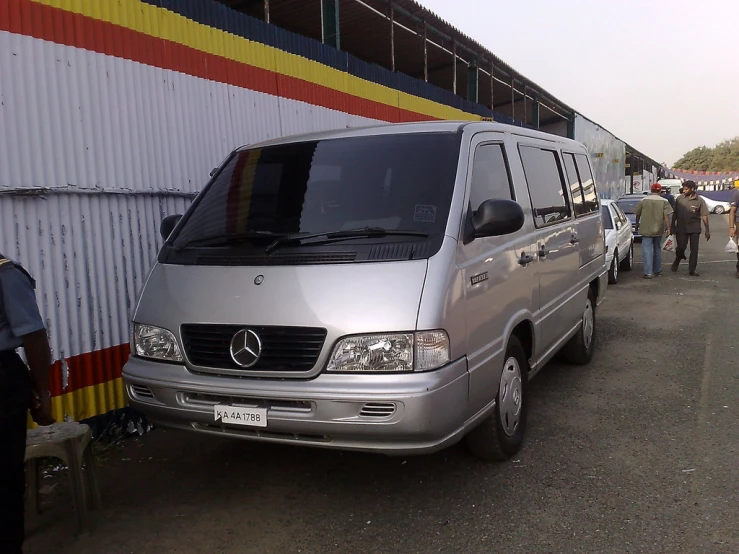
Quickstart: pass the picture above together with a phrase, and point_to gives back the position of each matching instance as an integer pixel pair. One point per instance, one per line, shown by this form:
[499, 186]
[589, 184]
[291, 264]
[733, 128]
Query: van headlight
[156, 343]
[391, 352]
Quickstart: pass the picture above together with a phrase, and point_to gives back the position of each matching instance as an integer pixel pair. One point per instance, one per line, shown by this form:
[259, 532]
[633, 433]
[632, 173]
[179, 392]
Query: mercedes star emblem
[246, 348]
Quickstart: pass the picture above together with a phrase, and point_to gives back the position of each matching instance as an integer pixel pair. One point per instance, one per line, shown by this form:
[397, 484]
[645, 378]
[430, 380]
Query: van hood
[343, 298]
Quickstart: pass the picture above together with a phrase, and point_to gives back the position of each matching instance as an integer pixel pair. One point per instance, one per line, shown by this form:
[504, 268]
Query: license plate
[236, 415]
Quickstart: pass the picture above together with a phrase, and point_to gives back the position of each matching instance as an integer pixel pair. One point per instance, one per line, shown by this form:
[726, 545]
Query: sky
[662, 75]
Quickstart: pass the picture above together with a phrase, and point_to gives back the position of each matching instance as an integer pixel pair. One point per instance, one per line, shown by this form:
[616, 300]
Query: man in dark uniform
[667, 195]
[20, 389]
[732, 222]
[690, 210]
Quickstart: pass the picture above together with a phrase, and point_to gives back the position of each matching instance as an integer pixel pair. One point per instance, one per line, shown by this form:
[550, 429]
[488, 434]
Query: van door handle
[525, 259]
[543, 251]
[574, 240]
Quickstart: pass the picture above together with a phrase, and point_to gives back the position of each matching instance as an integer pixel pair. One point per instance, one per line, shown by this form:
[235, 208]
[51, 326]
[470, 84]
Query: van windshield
[401, 182]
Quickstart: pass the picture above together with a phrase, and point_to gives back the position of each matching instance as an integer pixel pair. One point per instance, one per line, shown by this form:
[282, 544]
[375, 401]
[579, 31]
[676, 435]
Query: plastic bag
[669, 244]
[731, 247]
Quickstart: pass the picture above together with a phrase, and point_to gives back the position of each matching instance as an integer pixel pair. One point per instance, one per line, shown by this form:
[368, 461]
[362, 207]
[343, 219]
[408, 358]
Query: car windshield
[628, 204]
[393, 182]
[606, 215]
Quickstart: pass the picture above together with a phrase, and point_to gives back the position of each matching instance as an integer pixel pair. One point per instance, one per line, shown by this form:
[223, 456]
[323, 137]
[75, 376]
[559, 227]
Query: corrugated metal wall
[113, 113]
[90, 254]
[607, 156]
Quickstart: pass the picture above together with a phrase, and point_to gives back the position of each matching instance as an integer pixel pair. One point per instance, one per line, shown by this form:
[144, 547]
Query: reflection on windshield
[628, 205]
[392, 181]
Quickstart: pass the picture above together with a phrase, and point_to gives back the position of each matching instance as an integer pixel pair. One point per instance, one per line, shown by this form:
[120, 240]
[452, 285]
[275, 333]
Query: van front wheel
[579, 350]
[500, 435]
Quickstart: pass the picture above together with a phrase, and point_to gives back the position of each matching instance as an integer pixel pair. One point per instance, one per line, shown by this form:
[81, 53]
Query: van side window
[590, 195]
[490, 179]
[573, 181]
[549, 199]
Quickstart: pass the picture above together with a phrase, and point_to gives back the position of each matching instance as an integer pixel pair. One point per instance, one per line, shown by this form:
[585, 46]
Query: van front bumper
[385, 413]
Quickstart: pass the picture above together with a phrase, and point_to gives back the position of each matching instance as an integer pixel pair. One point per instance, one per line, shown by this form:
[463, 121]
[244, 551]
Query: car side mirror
[168, 225]
[495, 218]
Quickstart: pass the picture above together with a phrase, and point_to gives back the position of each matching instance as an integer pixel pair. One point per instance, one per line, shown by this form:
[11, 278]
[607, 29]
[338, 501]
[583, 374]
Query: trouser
[682, 244]
[651, 249]
[15, 393]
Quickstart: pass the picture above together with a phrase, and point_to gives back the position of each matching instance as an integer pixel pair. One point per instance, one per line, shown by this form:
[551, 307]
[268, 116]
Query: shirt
[652, 210]
[735, 204]
[688, 213]
[19, 313]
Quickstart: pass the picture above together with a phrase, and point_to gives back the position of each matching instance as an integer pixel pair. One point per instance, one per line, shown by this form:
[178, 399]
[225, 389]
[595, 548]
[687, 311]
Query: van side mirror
[495, 218]
[168, 224]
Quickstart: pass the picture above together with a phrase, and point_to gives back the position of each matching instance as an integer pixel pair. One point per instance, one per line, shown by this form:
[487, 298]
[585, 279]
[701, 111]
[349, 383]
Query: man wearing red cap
[653, 222]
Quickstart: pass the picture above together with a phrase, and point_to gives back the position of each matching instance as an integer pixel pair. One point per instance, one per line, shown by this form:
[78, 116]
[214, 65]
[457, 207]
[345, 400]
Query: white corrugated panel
[90, 255]
[85, 120]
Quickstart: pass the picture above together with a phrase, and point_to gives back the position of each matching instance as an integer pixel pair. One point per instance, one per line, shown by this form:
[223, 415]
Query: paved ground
[637, 452]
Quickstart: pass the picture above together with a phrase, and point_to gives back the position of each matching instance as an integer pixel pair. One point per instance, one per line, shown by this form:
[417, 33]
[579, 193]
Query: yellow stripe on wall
[164, 24]
[87, 402]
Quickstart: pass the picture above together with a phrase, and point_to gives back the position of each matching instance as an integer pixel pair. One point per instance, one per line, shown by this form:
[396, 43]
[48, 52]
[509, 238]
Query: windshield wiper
[364, 232]
[222, 238]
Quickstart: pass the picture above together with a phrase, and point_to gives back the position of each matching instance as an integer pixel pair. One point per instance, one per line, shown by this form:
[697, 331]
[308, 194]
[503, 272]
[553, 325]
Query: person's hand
[708, 234]
[732, 232]
[666, 232]
[41, 410]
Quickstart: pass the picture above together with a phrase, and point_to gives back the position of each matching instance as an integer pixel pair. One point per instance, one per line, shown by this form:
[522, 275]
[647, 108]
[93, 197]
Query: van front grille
[283, 348]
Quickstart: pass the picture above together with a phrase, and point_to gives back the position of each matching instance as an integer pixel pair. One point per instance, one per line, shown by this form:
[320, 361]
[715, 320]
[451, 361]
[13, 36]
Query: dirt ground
[637, 452]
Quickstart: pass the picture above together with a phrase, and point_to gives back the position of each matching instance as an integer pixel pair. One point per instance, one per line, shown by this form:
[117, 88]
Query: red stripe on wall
[79, 31]
[91, 368]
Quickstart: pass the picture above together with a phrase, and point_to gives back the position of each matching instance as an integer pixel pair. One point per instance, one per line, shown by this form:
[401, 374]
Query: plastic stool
[71, 443]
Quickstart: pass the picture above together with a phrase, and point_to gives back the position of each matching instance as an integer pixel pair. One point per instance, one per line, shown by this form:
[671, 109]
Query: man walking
[667, 195]
[652, 222]
[20, 325]
[732, 222]
[690, 210]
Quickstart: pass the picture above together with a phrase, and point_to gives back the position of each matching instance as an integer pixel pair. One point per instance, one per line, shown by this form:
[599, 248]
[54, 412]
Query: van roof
[417, 127]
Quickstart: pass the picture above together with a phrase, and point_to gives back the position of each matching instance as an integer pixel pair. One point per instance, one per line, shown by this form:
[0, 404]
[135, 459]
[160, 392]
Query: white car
[619, 240]
[716, 206]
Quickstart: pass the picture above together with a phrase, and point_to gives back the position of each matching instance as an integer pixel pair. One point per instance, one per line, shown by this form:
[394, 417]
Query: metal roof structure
[404, 36]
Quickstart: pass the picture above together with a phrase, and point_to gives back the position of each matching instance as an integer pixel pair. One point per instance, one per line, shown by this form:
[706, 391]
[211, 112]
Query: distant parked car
[627, 204]
[715, 206]
[619, 240]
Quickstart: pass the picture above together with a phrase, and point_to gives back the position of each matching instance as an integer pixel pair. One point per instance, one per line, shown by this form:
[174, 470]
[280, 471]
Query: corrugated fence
[113, 112]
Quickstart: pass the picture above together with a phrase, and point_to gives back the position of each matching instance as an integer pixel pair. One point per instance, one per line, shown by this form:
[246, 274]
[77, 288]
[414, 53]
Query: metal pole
[392, 36]
[266, 11]
[454, 66]
[425, 54]
[513, 99]
[492, 86]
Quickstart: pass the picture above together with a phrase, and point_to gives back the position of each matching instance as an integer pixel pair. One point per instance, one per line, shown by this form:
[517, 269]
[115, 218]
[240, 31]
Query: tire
[613, 270]
[579, 349]
[628, 262]
[719, 210]
[501, 434]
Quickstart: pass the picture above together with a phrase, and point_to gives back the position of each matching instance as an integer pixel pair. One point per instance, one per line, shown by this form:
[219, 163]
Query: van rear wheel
[500, 435]
[579, 349]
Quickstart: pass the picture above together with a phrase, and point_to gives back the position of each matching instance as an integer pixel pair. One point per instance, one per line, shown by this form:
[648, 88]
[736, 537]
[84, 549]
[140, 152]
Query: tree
[723, 157]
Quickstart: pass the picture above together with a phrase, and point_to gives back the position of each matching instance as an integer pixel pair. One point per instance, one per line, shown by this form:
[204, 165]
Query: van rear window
[397, 182]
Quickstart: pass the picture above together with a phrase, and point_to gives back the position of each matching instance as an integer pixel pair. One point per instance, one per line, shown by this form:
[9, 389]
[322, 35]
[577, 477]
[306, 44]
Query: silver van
[389, 289]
